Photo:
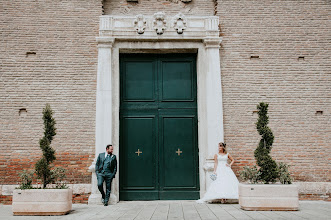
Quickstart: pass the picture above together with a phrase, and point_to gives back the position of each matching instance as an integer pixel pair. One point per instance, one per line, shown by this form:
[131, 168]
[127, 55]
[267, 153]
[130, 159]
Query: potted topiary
[54, 200]
[260, 194]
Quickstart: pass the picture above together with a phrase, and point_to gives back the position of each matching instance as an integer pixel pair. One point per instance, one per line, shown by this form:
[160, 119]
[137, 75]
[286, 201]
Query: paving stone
[178, 210]
[190, 211]
[205, 212]
[161, 211]
[219, 212]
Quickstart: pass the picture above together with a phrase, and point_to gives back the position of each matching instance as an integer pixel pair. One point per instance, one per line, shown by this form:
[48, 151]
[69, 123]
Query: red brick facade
[272, 51]
[279, 32]
[62, 72]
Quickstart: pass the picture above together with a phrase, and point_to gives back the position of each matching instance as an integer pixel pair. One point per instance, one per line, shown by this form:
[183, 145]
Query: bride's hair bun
[223, 144]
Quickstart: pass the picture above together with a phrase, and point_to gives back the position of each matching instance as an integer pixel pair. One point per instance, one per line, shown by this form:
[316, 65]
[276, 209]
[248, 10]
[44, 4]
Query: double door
[158, 127]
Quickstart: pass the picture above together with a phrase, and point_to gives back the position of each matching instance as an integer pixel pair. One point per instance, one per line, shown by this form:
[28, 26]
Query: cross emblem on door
[138, 152]
[179, 152]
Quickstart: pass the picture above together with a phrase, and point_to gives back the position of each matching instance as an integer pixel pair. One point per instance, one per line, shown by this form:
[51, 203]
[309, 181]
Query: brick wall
[62, 72]
[279, 32]
[149, 7]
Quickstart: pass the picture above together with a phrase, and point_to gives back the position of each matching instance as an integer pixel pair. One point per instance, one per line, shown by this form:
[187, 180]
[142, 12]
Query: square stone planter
[42, 201]
[267, 197]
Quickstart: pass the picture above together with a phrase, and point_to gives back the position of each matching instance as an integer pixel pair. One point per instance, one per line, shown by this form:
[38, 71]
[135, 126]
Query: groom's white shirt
[107, 154]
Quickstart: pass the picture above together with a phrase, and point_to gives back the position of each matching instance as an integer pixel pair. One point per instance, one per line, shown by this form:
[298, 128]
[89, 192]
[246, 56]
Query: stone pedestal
[42, 201]
[208, 168]
[268, 197]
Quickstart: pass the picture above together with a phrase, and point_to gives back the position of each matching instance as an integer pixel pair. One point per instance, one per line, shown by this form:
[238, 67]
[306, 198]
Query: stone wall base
[83, 198]
[76, 199]
[81, 192]
[324, 197]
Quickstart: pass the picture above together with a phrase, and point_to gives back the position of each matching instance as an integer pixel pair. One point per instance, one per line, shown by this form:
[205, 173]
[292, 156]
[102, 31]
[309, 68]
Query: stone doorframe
[158, 34]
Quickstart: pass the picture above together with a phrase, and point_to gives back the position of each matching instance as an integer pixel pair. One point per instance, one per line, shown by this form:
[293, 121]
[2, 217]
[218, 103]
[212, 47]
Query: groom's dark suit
[105, 168]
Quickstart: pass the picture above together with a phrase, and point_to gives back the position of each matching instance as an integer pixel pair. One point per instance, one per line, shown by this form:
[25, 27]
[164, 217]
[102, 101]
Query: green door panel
[138, 156]
[138, 81]
[176, 81]
[178, 152]
[158, 117]
[139, 151]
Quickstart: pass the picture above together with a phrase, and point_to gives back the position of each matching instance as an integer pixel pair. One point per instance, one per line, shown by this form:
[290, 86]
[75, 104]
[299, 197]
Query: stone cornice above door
[159, 27]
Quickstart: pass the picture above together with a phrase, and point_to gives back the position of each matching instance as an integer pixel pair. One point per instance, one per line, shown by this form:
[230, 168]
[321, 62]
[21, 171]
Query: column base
[208, 168]
[95, 199]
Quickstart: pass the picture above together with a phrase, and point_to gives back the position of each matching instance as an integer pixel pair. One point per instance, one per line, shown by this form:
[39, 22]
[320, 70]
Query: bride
[226, 184]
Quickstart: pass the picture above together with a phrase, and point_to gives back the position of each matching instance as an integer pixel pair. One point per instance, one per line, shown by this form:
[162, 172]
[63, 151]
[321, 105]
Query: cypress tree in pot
[42, 167]
[272, 196]
[51, 201]
[268, 171]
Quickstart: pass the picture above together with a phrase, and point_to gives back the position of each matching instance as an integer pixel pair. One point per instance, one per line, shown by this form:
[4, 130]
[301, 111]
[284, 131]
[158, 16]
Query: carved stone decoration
[159, 22]
[176, 1]
[140, 24]
[180, 23]
[173, 1]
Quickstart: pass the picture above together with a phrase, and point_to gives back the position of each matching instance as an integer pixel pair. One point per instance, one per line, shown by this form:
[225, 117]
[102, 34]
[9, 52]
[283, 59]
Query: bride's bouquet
[213, 176]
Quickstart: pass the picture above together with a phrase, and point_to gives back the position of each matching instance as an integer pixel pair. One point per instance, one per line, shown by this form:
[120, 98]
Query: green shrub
[26, 179]
[58, 175]
[284, 174]
[250, 174]
[268, 171]
[43, 169]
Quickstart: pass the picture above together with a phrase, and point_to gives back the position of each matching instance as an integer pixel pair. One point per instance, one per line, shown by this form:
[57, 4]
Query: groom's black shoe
[105, 203]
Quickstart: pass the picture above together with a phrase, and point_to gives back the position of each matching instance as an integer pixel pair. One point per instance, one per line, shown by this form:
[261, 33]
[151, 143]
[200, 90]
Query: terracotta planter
[42, 201]
[266, 197]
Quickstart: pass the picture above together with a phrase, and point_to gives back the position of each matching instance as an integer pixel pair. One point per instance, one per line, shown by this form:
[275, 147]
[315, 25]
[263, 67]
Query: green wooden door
[158, 127]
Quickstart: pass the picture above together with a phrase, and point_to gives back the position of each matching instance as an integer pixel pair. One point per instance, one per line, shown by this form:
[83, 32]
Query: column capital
[105, 41]
[212, 42]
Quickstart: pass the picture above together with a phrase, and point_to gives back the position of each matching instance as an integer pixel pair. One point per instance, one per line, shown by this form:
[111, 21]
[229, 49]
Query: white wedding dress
[226, 184]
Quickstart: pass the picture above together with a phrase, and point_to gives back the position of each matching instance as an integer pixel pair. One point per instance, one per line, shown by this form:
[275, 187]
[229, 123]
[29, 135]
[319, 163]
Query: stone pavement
[177, 210]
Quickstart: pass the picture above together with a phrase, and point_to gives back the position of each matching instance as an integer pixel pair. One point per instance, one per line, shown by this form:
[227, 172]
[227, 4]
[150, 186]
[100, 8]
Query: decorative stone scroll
[140, 24]
[180, 23]
[159, 22]
[158, 26]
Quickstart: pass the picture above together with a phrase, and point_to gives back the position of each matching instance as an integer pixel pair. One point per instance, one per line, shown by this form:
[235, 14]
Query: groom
[105, 169]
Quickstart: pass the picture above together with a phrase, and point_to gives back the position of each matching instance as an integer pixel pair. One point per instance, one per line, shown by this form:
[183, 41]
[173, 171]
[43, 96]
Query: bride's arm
[215, 163]
[232, 160]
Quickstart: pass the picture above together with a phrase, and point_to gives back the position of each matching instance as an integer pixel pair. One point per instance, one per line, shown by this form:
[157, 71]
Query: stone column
[214, 106]
[104, 122]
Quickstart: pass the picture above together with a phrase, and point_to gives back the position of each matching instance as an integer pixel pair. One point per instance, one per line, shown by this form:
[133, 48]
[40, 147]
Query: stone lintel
[160, 27]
